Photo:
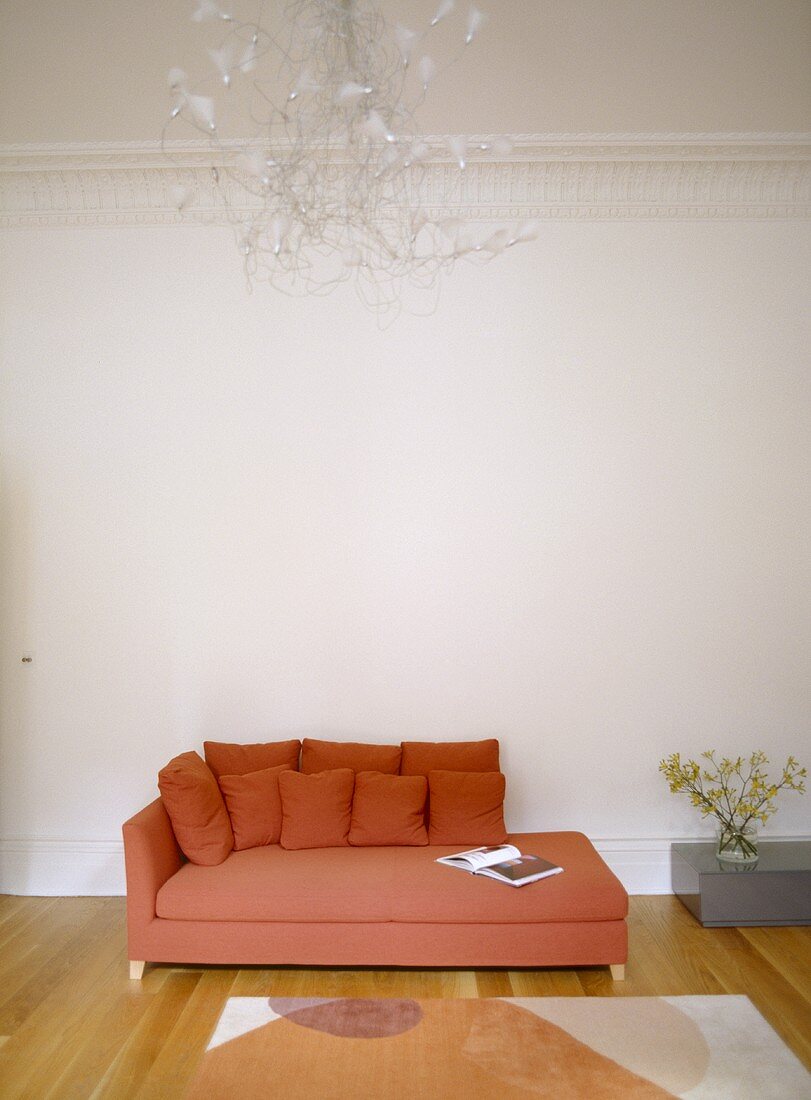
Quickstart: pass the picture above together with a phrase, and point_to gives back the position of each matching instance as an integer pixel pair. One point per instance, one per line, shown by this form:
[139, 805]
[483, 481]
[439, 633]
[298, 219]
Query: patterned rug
[617, 1048]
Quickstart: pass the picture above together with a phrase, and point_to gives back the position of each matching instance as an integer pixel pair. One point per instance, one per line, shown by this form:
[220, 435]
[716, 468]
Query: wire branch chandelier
[325, 177]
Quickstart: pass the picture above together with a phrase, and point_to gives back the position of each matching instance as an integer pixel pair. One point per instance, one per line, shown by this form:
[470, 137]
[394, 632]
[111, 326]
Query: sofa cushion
[196, 809]
[225, 758]
[317, 808]
[421, 757]
[340, 884]
[388, 809]
[369, 885]
[254, 806]
[466, 808]
[432, 892]
[321, 756]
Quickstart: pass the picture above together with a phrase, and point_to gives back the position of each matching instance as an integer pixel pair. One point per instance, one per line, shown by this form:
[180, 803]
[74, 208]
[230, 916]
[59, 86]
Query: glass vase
[736, 844]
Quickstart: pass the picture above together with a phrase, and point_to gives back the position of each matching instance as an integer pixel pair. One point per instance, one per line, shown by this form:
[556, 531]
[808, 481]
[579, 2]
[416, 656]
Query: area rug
[569, 1048]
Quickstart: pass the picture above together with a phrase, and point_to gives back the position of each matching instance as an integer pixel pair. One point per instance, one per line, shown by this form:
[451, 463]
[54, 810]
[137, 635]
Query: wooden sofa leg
[618, 972]
[137, 969]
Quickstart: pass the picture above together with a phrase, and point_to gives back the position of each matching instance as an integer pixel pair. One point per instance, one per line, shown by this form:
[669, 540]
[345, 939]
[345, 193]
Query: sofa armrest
[151, 857]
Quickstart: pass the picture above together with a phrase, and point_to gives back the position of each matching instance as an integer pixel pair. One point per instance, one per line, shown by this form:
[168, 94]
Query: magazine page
[477, 858]
[521, 870]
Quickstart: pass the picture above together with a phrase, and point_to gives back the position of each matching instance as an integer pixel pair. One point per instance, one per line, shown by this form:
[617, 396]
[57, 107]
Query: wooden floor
[72, 1024]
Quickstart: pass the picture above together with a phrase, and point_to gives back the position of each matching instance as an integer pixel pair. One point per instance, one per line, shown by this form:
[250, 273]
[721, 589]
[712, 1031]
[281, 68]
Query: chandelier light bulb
[179, 195]
[458, 147]
[406, 40]
[427, 71]
[201, 110]
[207, 10]
[317, 157]
[445, 8]
[351, 92]
[224, 61]
[474, 22]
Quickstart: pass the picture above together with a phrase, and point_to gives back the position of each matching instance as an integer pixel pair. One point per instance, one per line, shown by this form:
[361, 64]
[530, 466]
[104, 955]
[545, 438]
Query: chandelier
[317, 160]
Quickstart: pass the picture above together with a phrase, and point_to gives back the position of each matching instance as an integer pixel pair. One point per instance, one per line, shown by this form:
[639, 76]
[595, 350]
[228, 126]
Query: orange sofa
[386, 906]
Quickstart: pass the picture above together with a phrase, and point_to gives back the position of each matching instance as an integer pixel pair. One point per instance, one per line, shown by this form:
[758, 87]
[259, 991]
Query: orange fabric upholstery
[466, 808]
[387, 904]
[151, 857]
[225, 758]
[578, 921]
[317, 808]
[196, 809]
[586, 890]
[247, 943]
[422, 757]
[321, 756]
[254, 806]
[276, 884]
[371, 885]
[388, 809]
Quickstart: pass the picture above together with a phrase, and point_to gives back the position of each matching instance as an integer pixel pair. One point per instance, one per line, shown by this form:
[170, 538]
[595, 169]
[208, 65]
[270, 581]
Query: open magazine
[503, 862]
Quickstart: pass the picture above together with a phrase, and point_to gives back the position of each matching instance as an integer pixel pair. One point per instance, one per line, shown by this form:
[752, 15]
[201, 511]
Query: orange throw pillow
[388, 809]
[422, 757]
[317, 808]
[254, 806]
[196, 809]
[321, 756]
[466, 808]
[226, 758]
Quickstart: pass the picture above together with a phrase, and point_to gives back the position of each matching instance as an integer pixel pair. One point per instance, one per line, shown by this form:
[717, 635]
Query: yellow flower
[729, 794]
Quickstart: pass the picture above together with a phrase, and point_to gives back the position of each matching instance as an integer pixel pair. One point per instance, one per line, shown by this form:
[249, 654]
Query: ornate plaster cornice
[560, 177]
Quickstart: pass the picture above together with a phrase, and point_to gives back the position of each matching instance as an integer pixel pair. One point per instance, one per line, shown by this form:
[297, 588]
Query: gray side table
[776, 890]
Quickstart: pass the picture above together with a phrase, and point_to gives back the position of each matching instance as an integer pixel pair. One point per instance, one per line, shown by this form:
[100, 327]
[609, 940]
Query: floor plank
[50, 1011]
[142, 1047]
[72, 1024]
[13, 918]
[33, 941]
[659, 949]
[788, 950]
[62, 947]
[546, 983]
[173, 1068]
[494, 983]
[112, 1019]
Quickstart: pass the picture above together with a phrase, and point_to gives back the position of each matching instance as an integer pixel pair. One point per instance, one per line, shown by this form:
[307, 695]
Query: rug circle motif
[350, 1017]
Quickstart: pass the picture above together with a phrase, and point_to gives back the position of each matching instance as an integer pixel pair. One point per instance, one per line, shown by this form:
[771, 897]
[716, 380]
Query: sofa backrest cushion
[321, 756]
[196, 809]
[316, 808]
[388, 809]
[225, 758]
[421, 757]
[466, 808]
[254, 806]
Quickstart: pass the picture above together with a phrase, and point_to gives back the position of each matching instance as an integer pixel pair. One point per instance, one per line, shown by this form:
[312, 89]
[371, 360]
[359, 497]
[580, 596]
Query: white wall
[569, 510]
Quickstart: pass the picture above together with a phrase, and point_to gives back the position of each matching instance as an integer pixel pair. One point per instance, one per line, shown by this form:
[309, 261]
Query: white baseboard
[69, 868]
[62, 868]
[642, 866]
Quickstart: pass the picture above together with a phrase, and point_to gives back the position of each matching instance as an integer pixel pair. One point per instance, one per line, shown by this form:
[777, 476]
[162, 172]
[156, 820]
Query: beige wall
[95, 70]
[570, 509]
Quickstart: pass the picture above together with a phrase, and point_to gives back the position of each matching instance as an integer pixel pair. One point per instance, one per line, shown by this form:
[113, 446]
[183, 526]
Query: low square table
[776, 890]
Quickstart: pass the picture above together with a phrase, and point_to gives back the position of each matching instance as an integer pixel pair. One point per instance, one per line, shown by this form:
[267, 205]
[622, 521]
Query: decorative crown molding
[547, 177]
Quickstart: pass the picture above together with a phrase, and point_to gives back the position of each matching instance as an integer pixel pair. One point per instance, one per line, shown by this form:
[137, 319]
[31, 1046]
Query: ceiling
[95, 70]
